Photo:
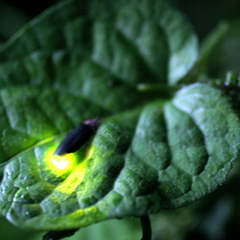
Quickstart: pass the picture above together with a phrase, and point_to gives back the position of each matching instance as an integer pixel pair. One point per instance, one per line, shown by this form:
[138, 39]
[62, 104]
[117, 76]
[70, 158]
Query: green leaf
[163, 155]
[155, 41]
[128, 228]
[82, 60]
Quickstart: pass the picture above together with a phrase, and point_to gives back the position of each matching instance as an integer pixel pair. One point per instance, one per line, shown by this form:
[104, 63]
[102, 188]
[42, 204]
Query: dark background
[204, 14]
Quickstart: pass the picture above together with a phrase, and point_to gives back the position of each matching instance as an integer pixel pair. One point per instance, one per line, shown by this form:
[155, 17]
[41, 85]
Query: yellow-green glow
[69, 163]
[76, 176]
[73, 180]
[60, 164]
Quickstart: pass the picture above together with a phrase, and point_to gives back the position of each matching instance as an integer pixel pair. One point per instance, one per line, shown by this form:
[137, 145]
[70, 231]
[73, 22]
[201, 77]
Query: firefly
[78, 137]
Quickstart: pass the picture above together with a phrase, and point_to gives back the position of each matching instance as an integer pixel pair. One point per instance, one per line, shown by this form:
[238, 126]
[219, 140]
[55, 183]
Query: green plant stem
[211, 41]
[207, 47]
[161, 88]
[146, 228]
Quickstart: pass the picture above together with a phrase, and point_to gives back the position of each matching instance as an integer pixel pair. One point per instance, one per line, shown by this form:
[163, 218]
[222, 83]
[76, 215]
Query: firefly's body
[77, 138]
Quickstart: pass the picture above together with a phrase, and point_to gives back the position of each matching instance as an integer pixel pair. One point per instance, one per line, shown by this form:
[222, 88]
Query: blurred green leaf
[127, 228]
[10, 232]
